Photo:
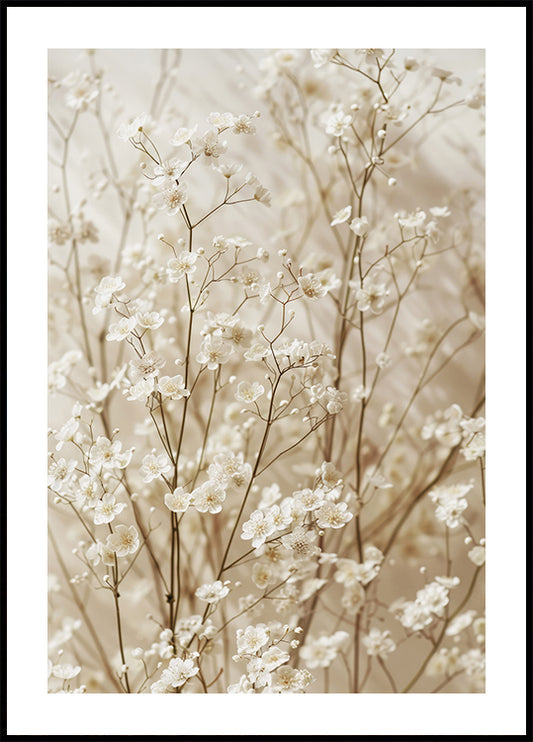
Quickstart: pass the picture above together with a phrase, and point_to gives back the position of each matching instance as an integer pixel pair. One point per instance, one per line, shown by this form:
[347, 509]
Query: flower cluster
[267, 403]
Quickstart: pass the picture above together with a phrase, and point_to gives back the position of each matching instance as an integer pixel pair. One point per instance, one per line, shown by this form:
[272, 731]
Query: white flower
[228, 170]
[106, 509]
[211, 145]
[439, 211]
[383, 360]
[258, 528]
[177, 673]
[410, 64]
[256, 352]
[87, 493]
[140, 391]
[473, 662]
[378, 643]
[301, 543]
[110, 285]
[477, 555]
[312, 286]
[290, 680]
[149, 320]
[178, 501]
[66, 671]
[460, 623]
[183, 265]
[337, 123]
[247, 392]
[214, 352]
[274, 657]
[154, 467]
[109, 455]
[252, 639]
[310, 499]
[171, 199]
[359, 393]
[60, 472]
[243, 125]
[445, 75]
[66, 432]
[413, 220]
[122, 329]
[82, 90]
[433, 597]
[359, 226]
[371, 296]
[182, 136]
[168, 173]
[450, 502]
[124, 540]
[243, 686]
[333, 515]
[322, 651]
[208, 498]
[146, 367]
[261, 574]
[341, 216]
[212, 592]
[263, 195]
[172, 387]
[221, 120]
[141, 123]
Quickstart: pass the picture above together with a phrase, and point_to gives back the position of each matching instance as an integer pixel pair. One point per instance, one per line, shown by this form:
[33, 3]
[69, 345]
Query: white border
[30, 32]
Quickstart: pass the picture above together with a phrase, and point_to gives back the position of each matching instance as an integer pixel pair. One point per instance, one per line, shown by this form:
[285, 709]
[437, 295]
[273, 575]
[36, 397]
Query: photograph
[267, 372]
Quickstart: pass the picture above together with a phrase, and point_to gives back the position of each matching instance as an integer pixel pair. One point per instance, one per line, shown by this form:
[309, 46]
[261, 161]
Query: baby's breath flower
[378, 643]
[258, 528]
[183, 265]
[311, 286]
[208, 498]
[171, 199]
[341, 216]
[123, 541]
[182, 136]
[153, 467]
[178, 501]
[249, 392]
[333, 515]
[337, 123]
[212, 592]
[106, 509]
[477, 555]
[359, 226]
[172, 387]
[122, 329]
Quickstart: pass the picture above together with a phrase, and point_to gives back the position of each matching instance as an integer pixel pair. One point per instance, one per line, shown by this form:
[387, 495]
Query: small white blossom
[124, 540]
[212, 592]
[341, 216]
[172, 387]
[171, 199]
[183, 265]
[122, 329]
[153, 467]
[477, 555]
[106, 509]
[249, 392]
[337, 123]
[378, 643]
[359, 226]
[258, 528]
[178, 501]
